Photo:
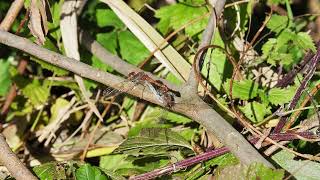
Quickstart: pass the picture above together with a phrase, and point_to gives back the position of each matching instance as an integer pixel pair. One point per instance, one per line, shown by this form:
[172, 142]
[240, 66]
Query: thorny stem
[215, 153]
[311, 70]
[182, 164]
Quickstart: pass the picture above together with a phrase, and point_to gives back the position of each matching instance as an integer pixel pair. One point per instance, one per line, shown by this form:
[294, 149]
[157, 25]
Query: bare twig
[11, 15]
[12, 162]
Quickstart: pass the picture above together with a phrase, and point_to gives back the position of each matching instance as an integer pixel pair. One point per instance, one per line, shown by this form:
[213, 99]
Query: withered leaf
[38, 19]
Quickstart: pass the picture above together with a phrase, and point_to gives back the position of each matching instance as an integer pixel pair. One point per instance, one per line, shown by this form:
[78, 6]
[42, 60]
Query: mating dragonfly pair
[164, 95]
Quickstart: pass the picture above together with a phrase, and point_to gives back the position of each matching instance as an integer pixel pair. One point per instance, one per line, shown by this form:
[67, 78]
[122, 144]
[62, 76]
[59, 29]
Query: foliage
[50, 102]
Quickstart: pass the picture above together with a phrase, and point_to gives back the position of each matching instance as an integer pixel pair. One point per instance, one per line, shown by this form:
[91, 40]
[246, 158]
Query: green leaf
[252, 172]
[131, 49]
[274, 53]
[121, 164]
[284, 37]
[304, 41]
[278, 96]
[106, 17]
[54, 25]
[55, 69]
[113, 175]
[49, 171]
[153, 141]
[269, 47]
[108, 41]
[36, 93]
[5, 80]
[217, 62]
[88, 172]
[277, 23]
[256, 111]
[162, 113]
[114, 162]
[221, 161]
[258, 170]
[148, 121]
[245, 89]
[300, 169]
[177, 15]
[96, 62]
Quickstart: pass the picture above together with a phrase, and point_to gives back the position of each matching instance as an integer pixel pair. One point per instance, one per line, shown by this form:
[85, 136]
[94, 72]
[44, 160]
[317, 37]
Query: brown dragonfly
[164, 95]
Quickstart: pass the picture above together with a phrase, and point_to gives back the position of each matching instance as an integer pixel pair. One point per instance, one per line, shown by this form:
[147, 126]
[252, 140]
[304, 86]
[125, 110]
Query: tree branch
[192, 105]
[115, 62]
[11, 14]
[12, 162]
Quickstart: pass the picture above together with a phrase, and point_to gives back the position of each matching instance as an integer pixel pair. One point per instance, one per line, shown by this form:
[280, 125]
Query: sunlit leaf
[88, 172]
[279, 96]
[277, 23]
[304, 41]
[256, 111]
[36, 93]
[50, 171]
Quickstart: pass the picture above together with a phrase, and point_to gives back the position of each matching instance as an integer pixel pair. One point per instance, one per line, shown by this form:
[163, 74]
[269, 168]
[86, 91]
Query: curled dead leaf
[39, 13]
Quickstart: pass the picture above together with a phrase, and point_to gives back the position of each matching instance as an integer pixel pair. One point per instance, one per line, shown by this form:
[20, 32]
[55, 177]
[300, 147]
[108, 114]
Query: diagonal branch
[12, 162]
[194, 107]
[115, 62]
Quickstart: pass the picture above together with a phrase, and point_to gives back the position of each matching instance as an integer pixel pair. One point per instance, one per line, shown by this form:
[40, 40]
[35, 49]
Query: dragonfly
[164, 95]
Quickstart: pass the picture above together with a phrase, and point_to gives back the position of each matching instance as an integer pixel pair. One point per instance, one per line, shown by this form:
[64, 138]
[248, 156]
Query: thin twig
[12, 162]
[11, 15]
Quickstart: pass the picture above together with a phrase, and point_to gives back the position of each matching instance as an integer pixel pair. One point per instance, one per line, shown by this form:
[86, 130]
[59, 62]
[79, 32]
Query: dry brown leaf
[38, 19]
